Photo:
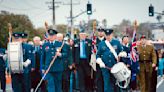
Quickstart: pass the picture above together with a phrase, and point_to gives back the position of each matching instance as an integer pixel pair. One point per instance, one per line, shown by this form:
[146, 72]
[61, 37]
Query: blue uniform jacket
[48, 52]
[2, 62]
[126, 60]
[106, 55]
[27, 54]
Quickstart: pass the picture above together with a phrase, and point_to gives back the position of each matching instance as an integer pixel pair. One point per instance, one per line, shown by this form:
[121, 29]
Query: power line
[31, 8]
[40, 13]
[31, 5]
[71, 15]
[53, 7]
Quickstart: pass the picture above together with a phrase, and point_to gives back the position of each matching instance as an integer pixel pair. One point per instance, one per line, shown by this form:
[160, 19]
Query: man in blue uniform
[126, 48]
[133, 66]
[2, 69]
[82, 52]
[67, 85]
[24, 37]
[21, 81]
[107, 57]
[50, 50]
[99, 78]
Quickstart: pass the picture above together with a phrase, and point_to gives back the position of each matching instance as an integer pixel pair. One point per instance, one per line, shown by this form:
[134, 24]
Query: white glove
[5, 57]
[122, 54]
[100, 62]
[26, 63]
[1, 55]
[102, 65]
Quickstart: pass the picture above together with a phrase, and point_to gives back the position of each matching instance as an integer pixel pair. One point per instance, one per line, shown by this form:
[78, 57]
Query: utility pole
[53, 12]
[71, 16]
[53, 7]
[71, 13]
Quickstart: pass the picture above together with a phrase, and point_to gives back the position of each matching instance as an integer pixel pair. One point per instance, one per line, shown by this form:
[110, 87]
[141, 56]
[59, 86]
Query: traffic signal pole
[53, 12]
[71, 17]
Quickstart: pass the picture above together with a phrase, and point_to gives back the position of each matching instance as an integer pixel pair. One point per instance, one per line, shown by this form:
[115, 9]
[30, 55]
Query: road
[160, 86]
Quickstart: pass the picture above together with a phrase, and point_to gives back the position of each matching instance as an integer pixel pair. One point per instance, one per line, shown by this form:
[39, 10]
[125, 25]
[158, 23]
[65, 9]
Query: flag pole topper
[135, 24]
[10, 29]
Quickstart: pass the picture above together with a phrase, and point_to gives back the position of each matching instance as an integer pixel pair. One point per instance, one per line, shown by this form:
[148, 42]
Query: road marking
[160, 82]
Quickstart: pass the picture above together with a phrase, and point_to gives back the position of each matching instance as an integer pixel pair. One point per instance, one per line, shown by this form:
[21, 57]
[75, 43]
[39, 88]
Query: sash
[111, 49]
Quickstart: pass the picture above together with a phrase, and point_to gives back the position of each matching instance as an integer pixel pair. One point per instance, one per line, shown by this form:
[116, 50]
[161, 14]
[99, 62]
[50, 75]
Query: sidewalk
[8, 84]
[8, 88]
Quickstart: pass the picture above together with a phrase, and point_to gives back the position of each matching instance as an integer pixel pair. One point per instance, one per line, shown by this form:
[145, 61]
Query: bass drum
[15, 57]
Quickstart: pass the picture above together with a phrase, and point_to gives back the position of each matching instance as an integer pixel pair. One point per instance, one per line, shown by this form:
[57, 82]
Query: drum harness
[52, 61]
[113, 51]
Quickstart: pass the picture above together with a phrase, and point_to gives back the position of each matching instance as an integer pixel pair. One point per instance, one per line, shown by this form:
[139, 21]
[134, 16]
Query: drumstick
[48, 68]
[107, 67]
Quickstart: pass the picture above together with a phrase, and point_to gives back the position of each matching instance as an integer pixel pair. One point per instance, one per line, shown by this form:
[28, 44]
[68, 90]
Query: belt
[145, 61]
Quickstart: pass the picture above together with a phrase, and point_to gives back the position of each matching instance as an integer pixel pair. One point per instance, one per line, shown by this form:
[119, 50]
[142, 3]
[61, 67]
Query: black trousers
[35, 79]
[84, 71]
[21, 82]
[99, 79]
[66, 80]
[154, 80]
[3, 80]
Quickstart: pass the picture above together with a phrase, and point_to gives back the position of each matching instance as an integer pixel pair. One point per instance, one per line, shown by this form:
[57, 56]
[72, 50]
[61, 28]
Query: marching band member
[24, 37]
[106, 58]
[36, 74]
[50, 50]
[21, 81]
[126, 48]
[147, 61]
[82, 52]
[2, 69]
[99, 78]
[129, 63]
[67, 64]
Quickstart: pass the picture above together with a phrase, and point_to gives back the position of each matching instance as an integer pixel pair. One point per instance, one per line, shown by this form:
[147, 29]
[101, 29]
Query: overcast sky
[112, 10]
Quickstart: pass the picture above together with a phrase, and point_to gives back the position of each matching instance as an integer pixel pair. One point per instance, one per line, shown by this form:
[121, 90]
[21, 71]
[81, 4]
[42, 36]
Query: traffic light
[151, 10]
[89, 9]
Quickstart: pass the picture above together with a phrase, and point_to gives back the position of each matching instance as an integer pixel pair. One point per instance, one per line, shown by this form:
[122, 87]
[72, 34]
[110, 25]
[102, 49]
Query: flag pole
[10, 29]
